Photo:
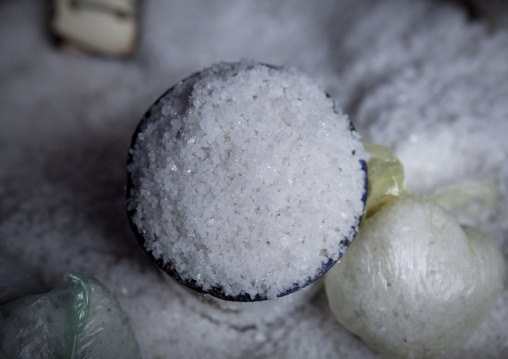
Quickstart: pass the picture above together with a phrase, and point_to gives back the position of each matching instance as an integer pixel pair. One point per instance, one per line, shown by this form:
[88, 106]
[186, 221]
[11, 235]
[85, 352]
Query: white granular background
[418, 76]
[246, 178]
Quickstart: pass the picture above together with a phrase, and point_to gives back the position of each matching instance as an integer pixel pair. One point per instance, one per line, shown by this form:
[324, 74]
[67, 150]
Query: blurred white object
[106, 27]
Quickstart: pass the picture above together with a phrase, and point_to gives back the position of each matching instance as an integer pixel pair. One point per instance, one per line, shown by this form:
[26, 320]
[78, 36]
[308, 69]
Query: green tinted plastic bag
[386, 178]
[79, 319]
[46, 325]
[107, 333]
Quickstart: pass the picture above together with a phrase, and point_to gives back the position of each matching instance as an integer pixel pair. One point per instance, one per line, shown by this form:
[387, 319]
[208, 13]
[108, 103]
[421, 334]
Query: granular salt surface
[418, 76]
[245, 177]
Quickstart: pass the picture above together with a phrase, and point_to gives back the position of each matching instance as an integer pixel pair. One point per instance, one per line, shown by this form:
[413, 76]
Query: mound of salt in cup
[244, 182]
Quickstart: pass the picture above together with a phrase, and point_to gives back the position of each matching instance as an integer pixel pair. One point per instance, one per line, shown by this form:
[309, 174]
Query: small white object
[107, 27]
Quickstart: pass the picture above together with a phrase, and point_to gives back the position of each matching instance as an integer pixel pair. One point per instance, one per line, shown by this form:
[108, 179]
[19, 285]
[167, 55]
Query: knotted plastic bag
[415, 283]
[80, 318]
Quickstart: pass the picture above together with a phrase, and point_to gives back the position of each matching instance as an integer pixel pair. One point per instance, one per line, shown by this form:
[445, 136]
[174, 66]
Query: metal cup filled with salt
[245, 184]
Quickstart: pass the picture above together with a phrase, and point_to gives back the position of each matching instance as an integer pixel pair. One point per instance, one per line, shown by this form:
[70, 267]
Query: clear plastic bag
[46, 325]
[415, 283]
[107, 333]
[79, 319]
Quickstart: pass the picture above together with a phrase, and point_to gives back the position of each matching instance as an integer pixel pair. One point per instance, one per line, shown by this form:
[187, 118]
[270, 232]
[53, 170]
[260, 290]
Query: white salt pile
[244, 177]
